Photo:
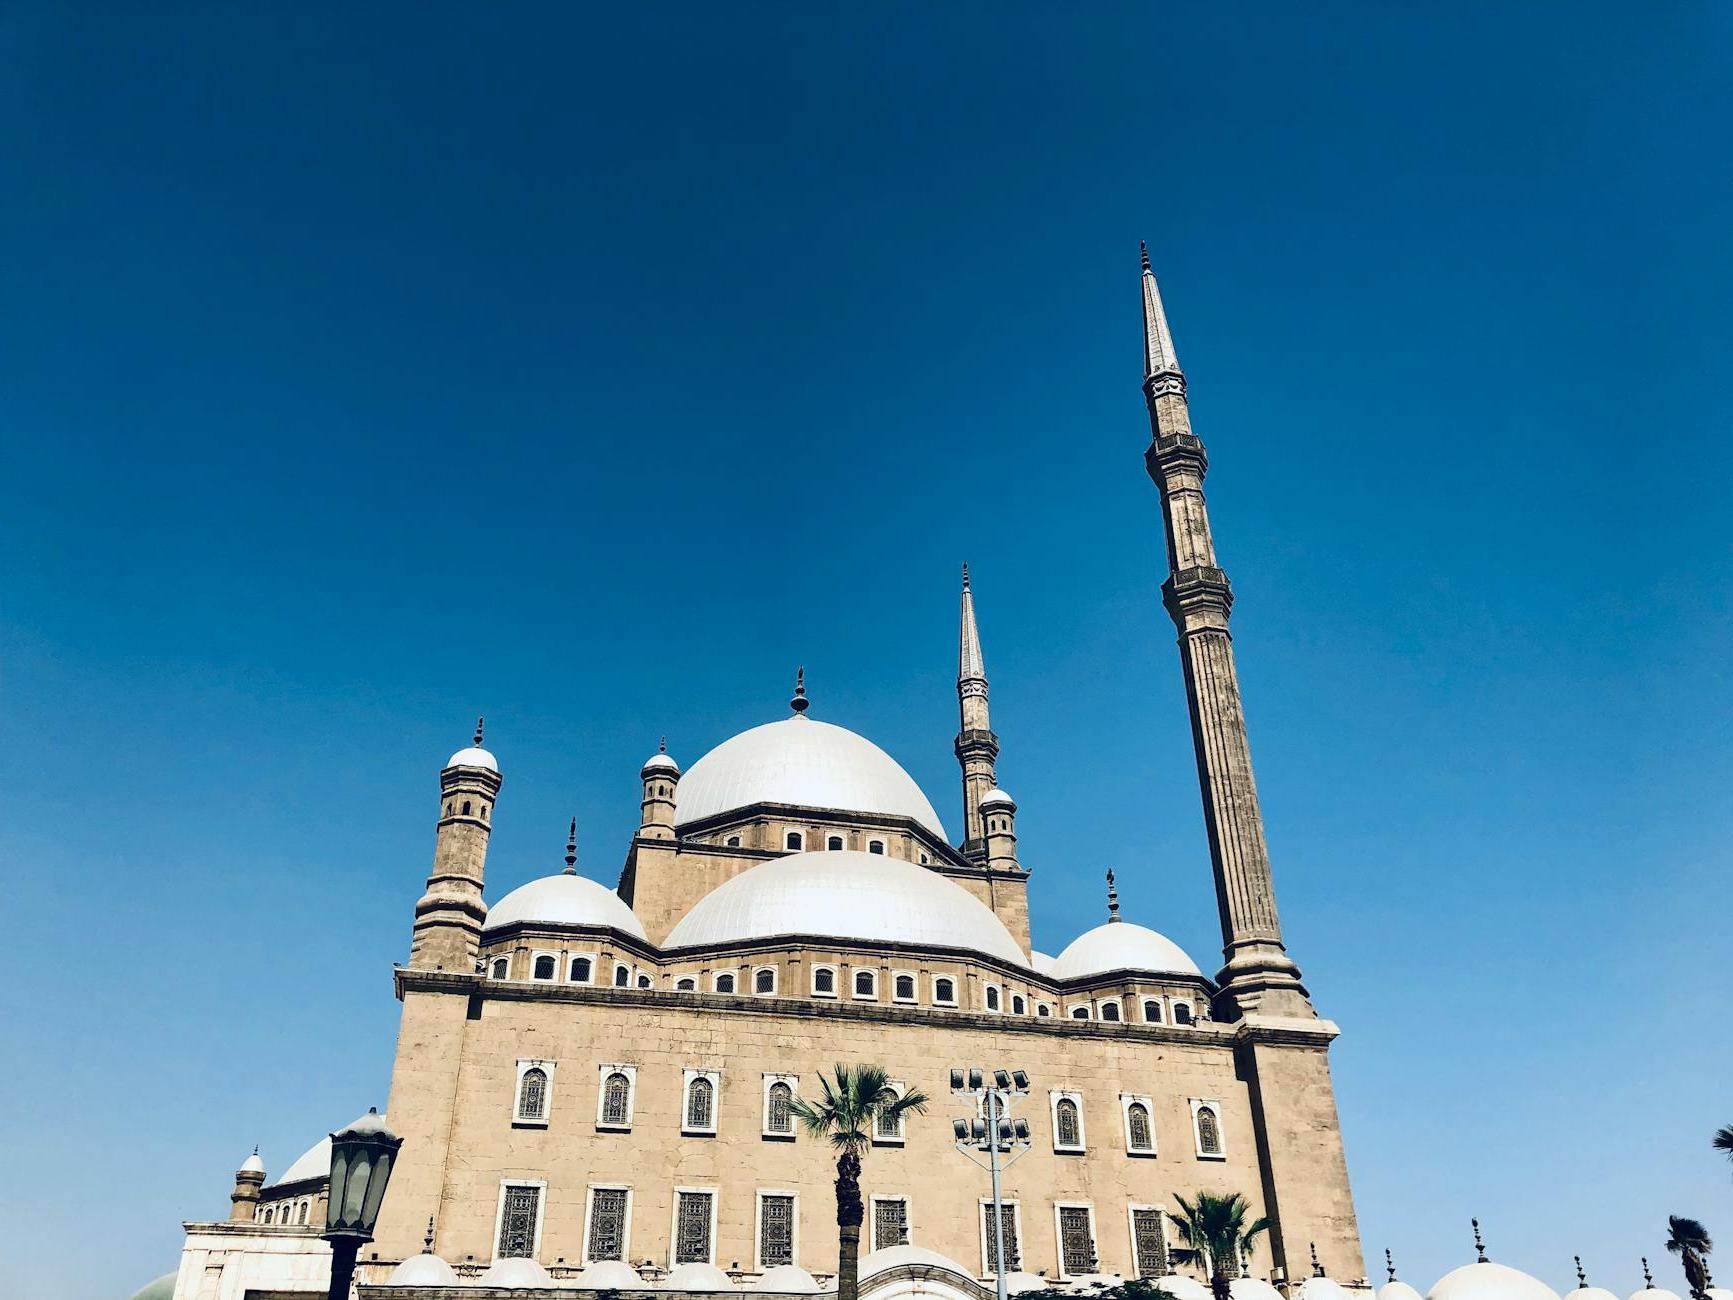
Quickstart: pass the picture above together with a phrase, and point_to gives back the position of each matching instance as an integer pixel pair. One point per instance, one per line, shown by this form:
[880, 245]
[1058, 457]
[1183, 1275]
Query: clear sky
[364, 370]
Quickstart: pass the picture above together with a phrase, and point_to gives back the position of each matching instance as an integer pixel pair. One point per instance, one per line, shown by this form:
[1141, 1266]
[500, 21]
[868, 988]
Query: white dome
[1181, 1287]
[1320, 1288]
[697, 1277]
[890, 1257]
[1086, 1282]
[1121, 945]
[315, 1162]
[422, 1270]
[1655, 1293]
[1255, 1288]
[1713, 1292]
[1490, 1282]
[160, 1288]
[844, 894]
[474, 756]
[252, 1164]
[1402, 1291]
[806, 763]
[1601, 1293]
[997, 798]
[788, 1278]
[1041, 962]
[565, 900]
[515, 1274]
[658, 762]
[1016, 1283]
[608, 1275]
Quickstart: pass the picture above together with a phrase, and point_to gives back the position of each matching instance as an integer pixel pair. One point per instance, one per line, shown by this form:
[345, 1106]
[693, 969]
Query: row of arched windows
[288, 1213]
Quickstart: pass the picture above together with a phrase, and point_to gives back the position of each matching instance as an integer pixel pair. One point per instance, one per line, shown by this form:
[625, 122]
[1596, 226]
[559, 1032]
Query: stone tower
[661, 777]
[244, 1200]
[448, 917]
[977, 747]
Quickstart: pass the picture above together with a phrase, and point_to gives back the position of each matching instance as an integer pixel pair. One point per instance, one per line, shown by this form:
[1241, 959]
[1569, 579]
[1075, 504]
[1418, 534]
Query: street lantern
[362, 1156]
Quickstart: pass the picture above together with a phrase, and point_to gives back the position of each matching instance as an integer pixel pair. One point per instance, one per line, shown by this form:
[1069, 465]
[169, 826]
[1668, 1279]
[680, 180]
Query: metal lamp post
[996, 1135]
[361, 1159]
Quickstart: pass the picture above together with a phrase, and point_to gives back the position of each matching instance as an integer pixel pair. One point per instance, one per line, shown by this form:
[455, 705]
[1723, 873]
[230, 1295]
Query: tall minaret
[1258, 975]
[449, 916]
[977, 746]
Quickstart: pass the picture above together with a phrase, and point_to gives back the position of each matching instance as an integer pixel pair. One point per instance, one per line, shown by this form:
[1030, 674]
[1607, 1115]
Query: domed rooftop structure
[1121, 945]
[1653, 1292]
[473, 756]
[697, 1277]
[890, 1257]
[1017, 1282]
[314, 1162]
[844, 894]
[161, 1288]
[1320, 1288]
[515, 1274]
[790, 1279]
[1398, 1290]
[1255, 1288]
[1593, 1293]
[565, 899]
[1488, 1281]
[253, 1164]
[808, 764]
[425, 1269]
[1181, 1287]
[608, 1275]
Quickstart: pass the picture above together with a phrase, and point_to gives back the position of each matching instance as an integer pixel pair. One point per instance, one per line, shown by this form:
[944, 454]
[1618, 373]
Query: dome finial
[662, 745]
[1582, 1277]
[572, 849]
[1479, 1245]
[1648, 1281]
[1143, 248]
[1112, 898]
[427, 1241]
[1317, 1268]
[1389, 1264]
[800, 704]
[965, 575]
[478, 723]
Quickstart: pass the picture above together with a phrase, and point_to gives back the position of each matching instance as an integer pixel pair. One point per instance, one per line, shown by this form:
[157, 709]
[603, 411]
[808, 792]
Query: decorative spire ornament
[427, 1241]
[1582, 1277]
[572, 849]
[1648, 1281]
[1112, 898]
[1479, 1245]
[478, 723]
[1317, 1268]
[800, 704]
[1389, 1264]
[662, 745]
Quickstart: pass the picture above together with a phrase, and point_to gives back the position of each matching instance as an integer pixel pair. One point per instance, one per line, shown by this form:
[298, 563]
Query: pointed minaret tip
[1143, 248]
[1159, 356]
[572, 849]
[965, 575]
[971, 663]
[1389, 1264]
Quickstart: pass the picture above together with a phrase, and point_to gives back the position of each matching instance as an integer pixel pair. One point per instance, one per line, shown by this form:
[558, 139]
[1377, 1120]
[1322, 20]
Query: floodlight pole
[998, 1203]
[995, 1090]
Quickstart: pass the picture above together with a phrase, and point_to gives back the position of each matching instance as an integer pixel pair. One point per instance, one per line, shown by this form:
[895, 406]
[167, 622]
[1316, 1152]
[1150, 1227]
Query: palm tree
[1216, 1234]
[1689, 1240]
[1723, 1140]
[854, 1104]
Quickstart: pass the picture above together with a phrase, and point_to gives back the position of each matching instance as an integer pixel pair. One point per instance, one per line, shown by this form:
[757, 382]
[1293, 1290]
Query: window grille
[824, 981]
[890, 1223]
[500, 966]
[517, 1222]
[1149, 1242]
[876, 846]
[1209, 1132]
[700, 1103]
[1181, 1014]
[992, 999]
[692, 1229]
[775, 1231]
[1152, 1012]
[580, 970]
[301, 1213]
[622, 977]
[686, 985]
[1067, 1132]
[1080, 1013]
[793, 840]
[1076, 1242]
[1110, 1011]
[532, 1096]
[764, 981]
[778, 1115]
[1013, 1252]
[544, 968]
[1018, 1005]
[863, 983]
[888, 1125]
[607, 1224]
[833, 843]
[616, 1099]
[906, 987]
[644, 982]
[725, 983]
[1137, 1126]
[944, 991]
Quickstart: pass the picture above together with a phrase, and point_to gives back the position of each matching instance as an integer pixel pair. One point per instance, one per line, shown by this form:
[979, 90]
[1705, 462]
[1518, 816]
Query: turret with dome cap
[661, 777]
[449, 916]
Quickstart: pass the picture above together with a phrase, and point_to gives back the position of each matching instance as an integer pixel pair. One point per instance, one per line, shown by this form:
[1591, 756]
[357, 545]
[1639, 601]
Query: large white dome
[1485, 1281]
[806, 763]
[1121, 945]
[843, 894]
[565, 900]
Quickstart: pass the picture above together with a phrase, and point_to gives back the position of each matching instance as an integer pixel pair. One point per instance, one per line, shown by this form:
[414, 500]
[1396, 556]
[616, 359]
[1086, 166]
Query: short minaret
[244, 1200]
[1258, 974]
[449, 916]
[977, 747]
[661, 777]
[999, 822]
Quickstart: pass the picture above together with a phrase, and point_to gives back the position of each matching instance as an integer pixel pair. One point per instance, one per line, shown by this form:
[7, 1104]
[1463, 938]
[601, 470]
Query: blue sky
[591, 367]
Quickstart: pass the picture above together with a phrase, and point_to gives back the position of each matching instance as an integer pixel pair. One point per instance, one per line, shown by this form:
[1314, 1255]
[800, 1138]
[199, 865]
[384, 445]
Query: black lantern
[361, 1159]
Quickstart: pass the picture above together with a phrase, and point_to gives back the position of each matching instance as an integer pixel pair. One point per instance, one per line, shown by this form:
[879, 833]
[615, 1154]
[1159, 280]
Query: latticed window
[1137, 1126]
[1152, 1012]
[824, 980]
[616, 1099]
[692, 1229]
[1209, 1132]
[888, 1126]
[580, 970]
[764, 981]
[1076, 1242]
[700, 1103]
[607, 1224]
[906, 987]
[944, 991]
[775, 1231]
[517, 1222]
[992, 999]
[725, 983]
[500, 966]
[1067, 1125]
[890, 1223]
[1149, 1241]
[301, 1213]
[1181, 1014]
[545, 967]
[863, 984]
[778, 1114]
[532, 1094]
[1110, 1011]
[622, 977]
[1013, 1251]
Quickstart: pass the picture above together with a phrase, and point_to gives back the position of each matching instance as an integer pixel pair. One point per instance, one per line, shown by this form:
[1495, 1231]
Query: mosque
[594, 1084]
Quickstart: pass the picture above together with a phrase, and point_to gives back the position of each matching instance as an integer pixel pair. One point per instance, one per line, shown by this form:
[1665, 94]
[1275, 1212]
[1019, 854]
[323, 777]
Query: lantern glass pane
[360, 1170]
[376, 1190]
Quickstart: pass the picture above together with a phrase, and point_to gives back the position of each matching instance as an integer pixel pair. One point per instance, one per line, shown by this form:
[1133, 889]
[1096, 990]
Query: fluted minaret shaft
[977, 746]
[1258, 974]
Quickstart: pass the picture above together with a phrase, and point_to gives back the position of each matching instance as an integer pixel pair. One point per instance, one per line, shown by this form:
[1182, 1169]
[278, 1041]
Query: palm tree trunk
[848, 1220]
[1218, 1283]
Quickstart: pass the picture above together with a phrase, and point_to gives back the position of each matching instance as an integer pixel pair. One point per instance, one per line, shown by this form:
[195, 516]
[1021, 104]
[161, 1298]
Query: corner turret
[449, 916]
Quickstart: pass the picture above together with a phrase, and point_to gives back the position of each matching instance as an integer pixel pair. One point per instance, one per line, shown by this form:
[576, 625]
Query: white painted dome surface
[890, 1257]
[608, 1275]
[1323, 1288]
[252, 1165]
[1121, 945]
[803, 762]
[845, 894]
[1655, 1293]
[160, 1288]
[1490, 1282]
[1402, 1291]
[515, 1274]
[697, 1277]
[1601, 1293]
[997, 798]
[1017, 1283]
[1713, 1292]
[474, 756]
[422, 1270]
[315, 1162]
[656, 762]
[1181, 1287]
[790, 1279]
[565, 900]
[1255, 1288]
[1041, 962]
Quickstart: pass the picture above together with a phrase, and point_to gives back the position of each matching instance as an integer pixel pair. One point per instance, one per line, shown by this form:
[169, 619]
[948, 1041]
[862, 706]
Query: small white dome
[1087, 1282]
[1255, 1288]
[1017, 1283]
[565, 900]
[697, 1277]
[1402, 1291]
[1597, 1293]
[807, 764]
[422, 1270]
[890, 1257]
[845, 894]
[1121, 945]
[1655, 1293]
[1320, 1288]
[1490, 1282]
[608, 1275]
[661, 762]
[161, 1288]
[252, 1164]
[997, 798]
[1181, 1287]
[790, 1279]
[1713, 1292]
[515, 1274]
[474, 756]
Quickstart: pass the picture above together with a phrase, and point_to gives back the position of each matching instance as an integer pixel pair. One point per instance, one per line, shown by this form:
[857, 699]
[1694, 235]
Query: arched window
[1137, 1127]
[833, 843]
[484, 812]
[1181, 1014]
[945, 990]
[1152, 1012]
[1209, 1132]
[448, 807]
[1067, 1131]
[905, 988]
[500, 966]
[725, 983]
[270, 1216]
[794, 840]
[622, 977]
[992, 997]
[925, 859]
[545, 966]
[876, 846]
[764, 980]
[1042, 1009]
[889, 1127]
[823, 980]
[580, 970]
[700, 1103]
[466, 807]
[865, 984]
[1018, 1006]
[1110, 1011]
[645, 982]
[778, 1112]
[733, 841]
[616, 1099]
[532, 1094]
[686, 984]
[1080, 1013]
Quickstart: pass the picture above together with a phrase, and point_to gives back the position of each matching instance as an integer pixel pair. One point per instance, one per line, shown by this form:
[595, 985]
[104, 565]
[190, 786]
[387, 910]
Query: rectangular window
[520, 1208]
[1076, 1241]
[1148, 1241]
[888, 1128]
[775, 1230]
[692, 1213]
[890, 1222]
[607, 1239]
[1013, 1250]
